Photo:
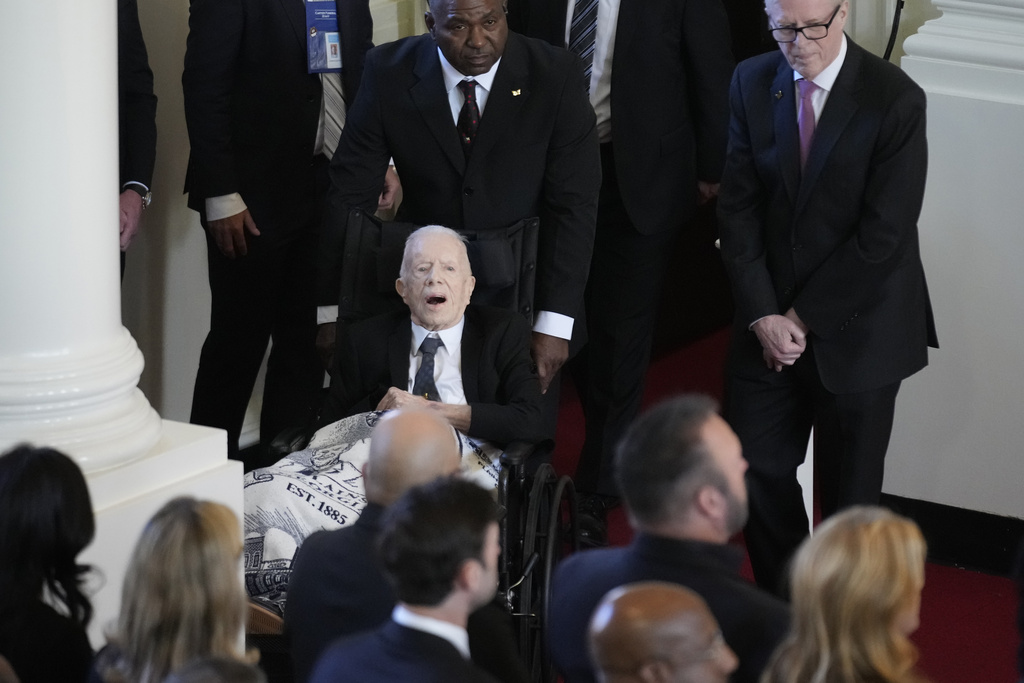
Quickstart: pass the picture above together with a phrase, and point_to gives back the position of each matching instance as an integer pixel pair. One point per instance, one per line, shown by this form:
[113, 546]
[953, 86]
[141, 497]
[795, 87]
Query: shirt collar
[453, 76]
[456, 635]
[451, 337]
[827, 78]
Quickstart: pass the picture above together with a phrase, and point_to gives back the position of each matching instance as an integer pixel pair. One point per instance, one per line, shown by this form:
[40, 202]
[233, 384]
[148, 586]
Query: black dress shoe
[593, 519]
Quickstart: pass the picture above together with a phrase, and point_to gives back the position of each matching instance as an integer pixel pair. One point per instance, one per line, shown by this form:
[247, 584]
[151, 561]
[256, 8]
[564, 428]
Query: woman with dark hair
[46, 520]
[856, 587]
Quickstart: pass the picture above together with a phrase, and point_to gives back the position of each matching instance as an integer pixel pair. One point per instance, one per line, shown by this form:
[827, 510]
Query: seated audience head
[680, 470]
[657, 632]
[182, 597]
[408, 448]
[439, 546]
[436, 280]
[46, 520]
[217, 670]
[856, 587]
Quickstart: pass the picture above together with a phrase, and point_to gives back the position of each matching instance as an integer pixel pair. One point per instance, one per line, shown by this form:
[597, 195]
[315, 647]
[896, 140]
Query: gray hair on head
[426, 231]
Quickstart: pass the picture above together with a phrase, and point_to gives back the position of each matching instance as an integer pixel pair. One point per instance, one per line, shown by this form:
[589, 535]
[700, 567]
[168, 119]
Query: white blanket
[321, 487]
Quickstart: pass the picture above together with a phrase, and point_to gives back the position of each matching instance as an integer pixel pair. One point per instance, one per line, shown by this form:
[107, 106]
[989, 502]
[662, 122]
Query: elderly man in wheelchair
[468, 364]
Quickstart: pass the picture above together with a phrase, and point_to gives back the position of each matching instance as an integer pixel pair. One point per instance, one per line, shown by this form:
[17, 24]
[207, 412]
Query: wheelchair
[539, 520]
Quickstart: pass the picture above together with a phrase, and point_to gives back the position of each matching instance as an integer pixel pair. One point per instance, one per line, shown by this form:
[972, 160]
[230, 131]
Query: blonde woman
[856, 587]
[182, 598]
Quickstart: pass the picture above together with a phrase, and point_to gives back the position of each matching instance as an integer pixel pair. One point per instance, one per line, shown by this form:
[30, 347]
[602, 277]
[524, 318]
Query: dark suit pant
[773, 416]
[268, 295]
[622, 297]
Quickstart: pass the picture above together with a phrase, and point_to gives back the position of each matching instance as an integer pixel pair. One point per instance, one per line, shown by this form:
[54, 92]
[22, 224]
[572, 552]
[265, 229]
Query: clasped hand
[783, 339]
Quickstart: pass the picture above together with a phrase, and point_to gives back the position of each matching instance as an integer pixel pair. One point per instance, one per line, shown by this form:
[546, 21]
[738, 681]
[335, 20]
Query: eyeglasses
[787, 34]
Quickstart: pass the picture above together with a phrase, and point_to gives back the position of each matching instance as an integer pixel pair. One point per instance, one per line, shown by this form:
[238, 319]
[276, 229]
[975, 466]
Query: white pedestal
[956, 439]
[188, 460]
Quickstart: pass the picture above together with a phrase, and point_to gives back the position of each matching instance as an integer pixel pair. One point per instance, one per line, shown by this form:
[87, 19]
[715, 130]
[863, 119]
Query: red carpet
[968, 630]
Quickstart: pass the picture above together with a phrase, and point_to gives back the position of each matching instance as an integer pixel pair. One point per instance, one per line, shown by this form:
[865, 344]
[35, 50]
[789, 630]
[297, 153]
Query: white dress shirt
[456, 635]
[447, 361]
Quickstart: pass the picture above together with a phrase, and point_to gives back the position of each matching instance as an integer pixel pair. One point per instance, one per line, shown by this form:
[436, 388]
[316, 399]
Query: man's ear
[400, 288]
[656, 671]
[472, 286]
[469, 576]
[711, 502]
[428, 19]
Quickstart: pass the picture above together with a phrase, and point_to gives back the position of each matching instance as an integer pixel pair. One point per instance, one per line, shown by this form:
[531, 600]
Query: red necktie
[469, 117]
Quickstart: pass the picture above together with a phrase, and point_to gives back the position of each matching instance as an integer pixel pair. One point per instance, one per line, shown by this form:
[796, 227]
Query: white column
[68, 369]
[956, 439]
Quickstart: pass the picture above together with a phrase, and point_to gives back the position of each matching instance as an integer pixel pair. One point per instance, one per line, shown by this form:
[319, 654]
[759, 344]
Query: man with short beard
[680, 470]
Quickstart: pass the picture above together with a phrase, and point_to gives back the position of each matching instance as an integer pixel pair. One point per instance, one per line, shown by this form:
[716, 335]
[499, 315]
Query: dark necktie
[424, 384]
[582, 32]
[805, 118]
[469, 117]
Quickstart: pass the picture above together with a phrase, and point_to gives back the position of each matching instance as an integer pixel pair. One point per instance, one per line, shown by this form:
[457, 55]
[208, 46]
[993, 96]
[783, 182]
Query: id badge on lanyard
[323, 44]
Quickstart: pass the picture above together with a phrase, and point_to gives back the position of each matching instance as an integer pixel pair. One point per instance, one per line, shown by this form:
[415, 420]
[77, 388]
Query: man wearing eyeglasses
[820, 197]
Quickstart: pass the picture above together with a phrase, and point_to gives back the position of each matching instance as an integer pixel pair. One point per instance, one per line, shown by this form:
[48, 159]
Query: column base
[187, 460]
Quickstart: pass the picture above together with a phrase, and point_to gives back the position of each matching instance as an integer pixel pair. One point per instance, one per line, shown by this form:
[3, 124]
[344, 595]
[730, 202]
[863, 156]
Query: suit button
[468, 191]
[787, 290]
[797, 247]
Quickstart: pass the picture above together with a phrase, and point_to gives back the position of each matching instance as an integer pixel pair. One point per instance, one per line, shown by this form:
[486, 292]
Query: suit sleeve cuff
[553, 324]
[326, 314]
[224, 206]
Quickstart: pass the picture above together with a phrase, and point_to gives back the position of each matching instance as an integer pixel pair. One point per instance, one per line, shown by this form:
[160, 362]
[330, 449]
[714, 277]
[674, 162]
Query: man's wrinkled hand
[782, 339]
[397, 399]
[229, 233]
[549, 354]
[326, 335]
[131, 213]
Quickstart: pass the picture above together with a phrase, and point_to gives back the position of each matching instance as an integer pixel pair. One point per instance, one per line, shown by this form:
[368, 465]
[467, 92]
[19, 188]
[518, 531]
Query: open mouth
[436, 299]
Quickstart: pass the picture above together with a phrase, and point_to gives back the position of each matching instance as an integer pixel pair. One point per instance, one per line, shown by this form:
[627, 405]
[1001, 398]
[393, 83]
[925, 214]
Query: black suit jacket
[396, 653]
[670, 110]
[136, 103]
[535, 154]
[501, 386]
[839, 242]
[337, 589]
[752, 621]
[251, 107]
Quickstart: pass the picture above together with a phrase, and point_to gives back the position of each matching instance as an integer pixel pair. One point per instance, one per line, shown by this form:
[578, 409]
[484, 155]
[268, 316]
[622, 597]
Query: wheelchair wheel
[550, 533]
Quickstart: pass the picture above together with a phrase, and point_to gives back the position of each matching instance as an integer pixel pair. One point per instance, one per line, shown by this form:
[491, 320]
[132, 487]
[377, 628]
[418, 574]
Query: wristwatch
[138, 188]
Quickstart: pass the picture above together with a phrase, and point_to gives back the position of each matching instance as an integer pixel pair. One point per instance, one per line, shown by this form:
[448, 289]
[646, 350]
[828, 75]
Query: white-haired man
[469, 364]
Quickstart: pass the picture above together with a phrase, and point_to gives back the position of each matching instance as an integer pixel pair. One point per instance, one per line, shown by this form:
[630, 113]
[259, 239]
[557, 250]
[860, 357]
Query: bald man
[658, 633]
[336, 586]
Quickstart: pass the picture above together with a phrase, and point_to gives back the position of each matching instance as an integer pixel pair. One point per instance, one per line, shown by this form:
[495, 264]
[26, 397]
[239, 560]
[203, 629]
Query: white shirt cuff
[326, 314]
[553, 324]
[224, 206]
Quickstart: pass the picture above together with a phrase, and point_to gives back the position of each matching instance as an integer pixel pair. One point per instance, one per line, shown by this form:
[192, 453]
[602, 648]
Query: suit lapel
[839, 109]
[295, 10]
[472, 343]
[431, 100]
[509, 92]
[787, 135]
[399, 345]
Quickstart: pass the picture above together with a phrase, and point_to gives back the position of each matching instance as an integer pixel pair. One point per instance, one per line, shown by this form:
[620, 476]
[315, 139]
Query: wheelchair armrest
[516, 453]
[288, 441]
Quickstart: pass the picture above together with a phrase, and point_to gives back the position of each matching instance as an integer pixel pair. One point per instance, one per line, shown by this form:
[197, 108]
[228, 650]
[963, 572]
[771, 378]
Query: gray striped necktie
[334, 111]
[423, 384]
[582, 32]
